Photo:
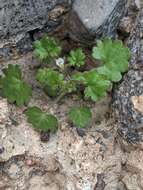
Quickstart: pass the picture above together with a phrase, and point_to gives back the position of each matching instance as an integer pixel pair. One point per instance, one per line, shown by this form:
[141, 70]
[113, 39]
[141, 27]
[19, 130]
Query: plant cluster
[60, 76]
[13, 87]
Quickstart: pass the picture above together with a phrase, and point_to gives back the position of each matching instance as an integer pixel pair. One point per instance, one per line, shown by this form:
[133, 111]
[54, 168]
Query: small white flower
[60, 62]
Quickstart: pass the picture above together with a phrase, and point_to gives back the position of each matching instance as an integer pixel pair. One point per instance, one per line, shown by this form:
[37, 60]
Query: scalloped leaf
[41, 121]
[13, 87]
[80, 116]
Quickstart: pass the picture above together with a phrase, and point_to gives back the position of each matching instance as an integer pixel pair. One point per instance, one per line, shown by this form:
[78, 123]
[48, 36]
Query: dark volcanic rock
[128, 97]
[19, 17]
[20, 20]
[130, 119]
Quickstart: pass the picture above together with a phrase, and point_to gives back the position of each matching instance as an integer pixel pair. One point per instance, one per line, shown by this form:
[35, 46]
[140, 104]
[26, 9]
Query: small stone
[126, 25]
[14, 171]
[1, 150]
[30, 162]
[45, 136]
[138, 103]
[80, 132]
[4, 112]
[100, 185]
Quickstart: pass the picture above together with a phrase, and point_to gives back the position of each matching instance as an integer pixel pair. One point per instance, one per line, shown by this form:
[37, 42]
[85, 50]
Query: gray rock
[127, 110]
[128, 97]
[97, 17]
[19, 17]
[20, 20]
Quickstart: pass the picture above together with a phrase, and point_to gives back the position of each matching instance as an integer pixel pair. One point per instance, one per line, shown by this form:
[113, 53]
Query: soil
[66, 160]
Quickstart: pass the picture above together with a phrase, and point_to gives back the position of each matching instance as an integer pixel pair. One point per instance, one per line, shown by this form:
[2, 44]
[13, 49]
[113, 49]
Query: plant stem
[60, 97]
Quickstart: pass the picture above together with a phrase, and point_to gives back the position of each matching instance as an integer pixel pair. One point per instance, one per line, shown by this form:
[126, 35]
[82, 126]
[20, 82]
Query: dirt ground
[67, 161]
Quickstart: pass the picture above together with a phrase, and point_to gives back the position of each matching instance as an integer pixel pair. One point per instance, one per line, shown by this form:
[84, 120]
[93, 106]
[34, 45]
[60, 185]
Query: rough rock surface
[19, 17]
[20, 21]
[127, 97]
[128, 110]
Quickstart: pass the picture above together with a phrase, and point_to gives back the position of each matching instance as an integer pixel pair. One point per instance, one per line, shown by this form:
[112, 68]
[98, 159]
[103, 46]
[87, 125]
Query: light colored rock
[85, 159]
[133, 176]
[96, 18]
[94, 13]
[131, 182]
[14, 171]
[4, 111]
[126, 25]
[138, 3]
[137, 103]
[135, 161]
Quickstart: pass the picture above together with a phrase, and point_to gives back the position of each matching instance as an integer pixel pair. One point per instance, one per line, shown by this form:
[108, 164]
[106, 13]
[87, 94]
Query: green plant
[96, 86]
[98, 81]
[76, 58]
[80, 116]
[115, 57]
[110, 73]
[52, 81]
[13, 87]
[42, 121]
[95, 83]
[46, 49]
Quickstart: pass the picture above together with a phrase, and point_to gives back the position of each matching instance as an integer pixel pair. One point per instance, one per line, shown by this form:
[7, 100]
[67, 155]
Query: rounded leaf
[41, 120]
[80, 116]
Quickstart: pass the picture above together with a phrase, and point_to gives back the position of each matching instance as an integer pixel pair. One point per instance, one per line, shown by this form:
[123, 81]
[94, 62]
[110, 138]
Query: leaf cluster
[13, 87]
[51, 80]
[114, 56]
[76, 57]
[46, 49]
[96, 86]
[96, 83]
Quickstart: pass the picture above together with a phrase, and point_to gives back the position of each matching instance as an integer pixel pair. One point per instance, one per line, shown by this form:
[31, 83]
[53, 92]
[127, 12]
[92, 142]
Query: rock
[66, 161]
[4, 111]
[133, 171]
[95, 18]
[21, 20]
[127, 101]
[15, 174]
[135, 41]
[126, 25]
[131, 182]
[14, 171]
[128, 111]
[137, 102]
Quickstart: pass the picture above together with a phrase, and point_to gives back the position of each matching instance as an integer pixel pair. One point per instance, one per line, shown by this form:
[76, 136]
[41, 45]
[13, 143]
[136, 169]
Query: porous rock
[127, 101]
[20, 20]
[129, 113]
